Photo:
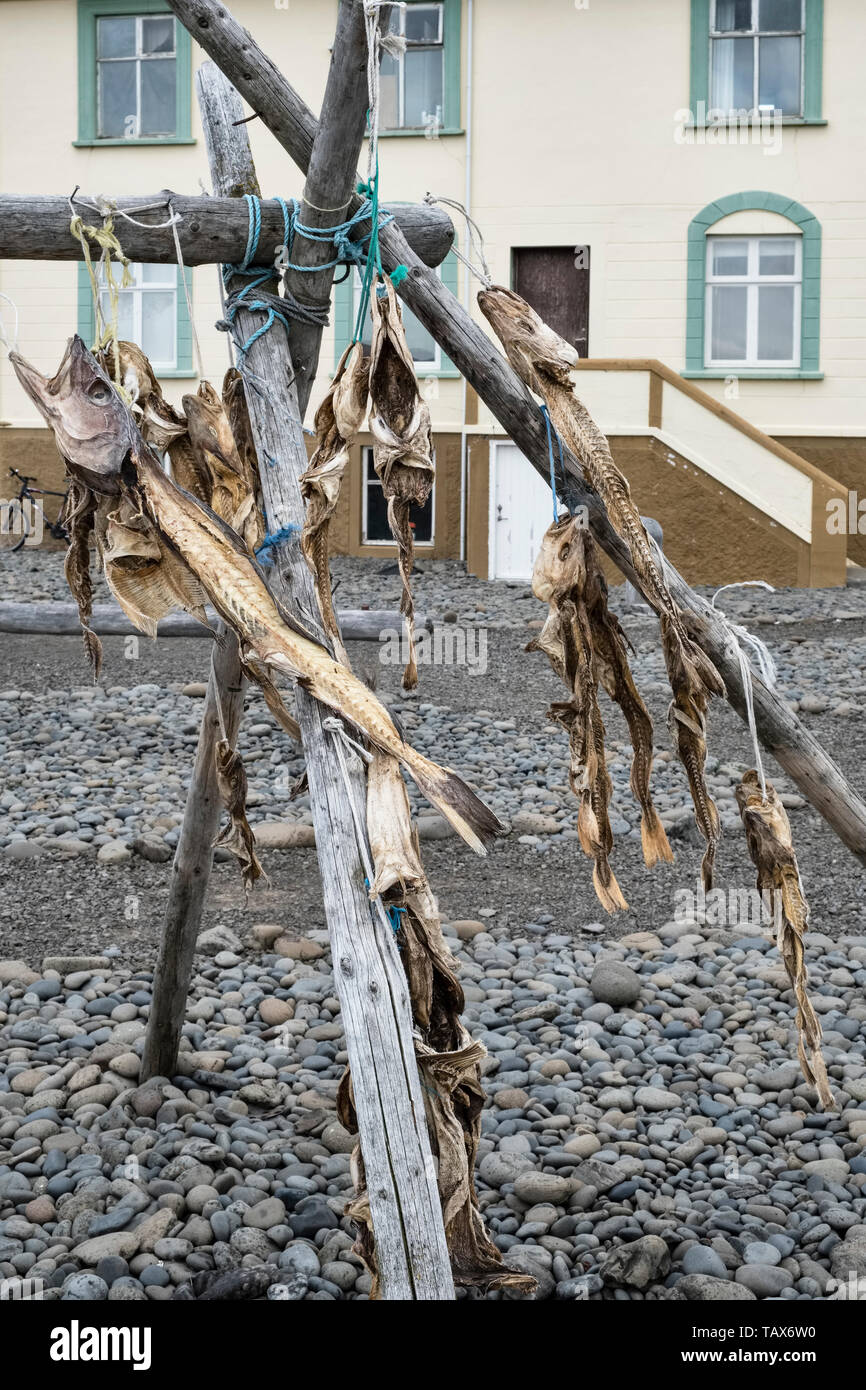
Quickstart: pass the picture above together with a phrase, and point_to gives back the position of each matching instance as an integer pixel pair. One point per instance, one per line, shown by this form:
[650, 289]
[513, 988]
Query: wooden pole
[56, 619]
[485, 368]
[410, 1240]
[211, 230]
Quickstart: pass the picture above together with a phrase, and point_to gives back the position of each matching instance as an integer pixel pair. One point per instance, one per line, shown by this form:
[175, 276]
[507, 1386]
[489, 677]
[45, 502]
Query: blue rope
[551, 431]
[394, 917]
[275, 538]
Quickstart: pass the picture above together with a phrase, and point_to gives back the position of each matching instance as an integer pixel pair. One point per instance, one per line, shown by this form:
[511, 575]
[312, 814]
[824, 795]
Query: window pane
[776, 323]
[423, 24]
[125, 321]
[158, 275]
[733, 74]
[421, 344]
[779, 74]
[780, 14]
[420, 518]
[158, 97]
[389, 93]
[730, 257]
[733, 15]
[777, 256]
[115, 38]
[423, 77]
[728, 307]
[157, 35]
[117, 102]
[157, 326]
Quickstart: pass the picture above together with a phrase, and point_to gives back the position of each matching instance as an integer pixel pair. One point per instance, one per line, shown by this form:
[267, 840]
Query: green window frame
[810, 306]
[87, 323]
[813, 50]
[451, 17]
[89, 11]
[344, 318]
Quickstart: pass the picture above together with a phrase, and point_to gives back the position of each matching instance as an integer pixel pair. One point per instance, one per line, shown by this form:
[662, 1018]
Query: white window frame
[753, 281]
[138, 58]
[423, 368]
[756, 34]
[399, 23]
[138, 292]
[366, 460]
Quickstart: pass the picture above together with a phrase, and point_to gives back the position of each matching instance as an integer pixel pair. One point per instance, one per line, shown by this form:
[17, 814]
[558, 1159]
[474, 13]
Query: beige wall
[573, 142]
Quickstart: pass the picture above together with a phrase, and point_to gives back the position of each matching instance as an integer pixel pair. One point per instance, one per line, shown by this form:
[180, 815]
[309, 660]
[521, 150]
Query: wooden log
[193, 857]
[485, 368]
[108, 620]
[407, 1217]
[211, 230]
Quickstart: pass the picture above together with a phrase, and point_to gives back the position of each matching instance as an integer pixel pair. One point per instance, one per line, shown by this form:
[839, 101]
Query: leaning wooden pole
[482, 364]
[407, 1218]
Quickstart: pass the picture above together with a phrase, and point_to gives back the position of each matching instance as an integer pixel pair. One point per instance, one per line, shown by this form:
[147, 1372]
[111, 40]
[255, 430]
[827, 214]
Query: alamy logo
[77, 1343]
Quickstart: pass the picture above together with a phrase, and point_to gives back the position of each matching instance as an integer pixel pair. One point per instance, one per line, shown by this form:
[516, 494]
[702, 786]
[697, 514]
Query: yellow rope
[105, 237]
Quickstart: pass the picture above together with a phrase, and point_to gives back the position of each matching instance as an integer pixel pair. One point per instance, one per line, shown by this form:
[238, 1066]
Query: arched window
[754, 284]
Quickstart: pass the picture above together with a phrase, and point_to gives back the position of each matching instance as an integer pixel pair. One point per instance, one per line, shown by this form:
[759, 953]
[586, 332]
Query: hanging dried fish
[560, 580]
[82, 406]
[395, 857]
[232, 489]
[611, 646]
[79, 514]
[143, 573]
[237, 411]
[338, 419]
[768, 835]
[402, 445]
[237, 836]
[545, 362]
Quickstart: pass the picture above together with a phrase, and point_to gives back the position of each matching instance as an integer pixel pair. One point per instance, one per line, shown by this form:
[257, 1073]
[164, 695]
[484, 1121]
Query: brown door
[555, 281]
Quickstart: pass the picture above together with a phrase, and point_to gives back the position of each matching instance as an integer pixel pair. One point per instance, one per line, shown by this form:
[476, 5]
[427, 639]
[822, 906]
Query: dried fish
[237, 411]
[230, 576]
[402, 443]
[79, 514]
[546, 363]
[338, 419]
[768, 835]
[143, 573]
[395, 857]
[560, 579]
[237, 836]
[232, 490]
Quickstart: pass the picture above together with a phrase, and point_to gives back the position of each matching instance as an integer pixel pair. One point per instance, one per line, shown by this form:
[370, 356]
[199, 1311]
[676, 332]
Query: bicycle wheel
[14, 525]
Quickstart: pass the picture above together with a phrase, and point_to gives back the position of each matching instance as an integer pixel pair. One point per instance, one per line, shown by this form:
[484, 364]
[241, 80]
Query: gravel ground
[644, 1137]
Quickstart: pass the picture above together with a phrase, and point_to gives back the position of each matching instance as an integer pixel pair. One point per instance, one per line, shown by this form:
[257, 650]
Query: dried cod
[79, 515]
[338, 419]
[232, 489]
[102, 445]
[237, 836]
[545, 363]
[768, 835]
[402, 445]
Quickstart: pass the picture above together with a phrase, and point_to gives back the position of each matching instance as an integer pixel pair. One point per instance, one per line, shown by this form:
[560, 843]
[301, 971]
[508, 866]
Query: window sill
[420, 133]
[175, 374]
[752, 374]
[128, 144]
[729, 124]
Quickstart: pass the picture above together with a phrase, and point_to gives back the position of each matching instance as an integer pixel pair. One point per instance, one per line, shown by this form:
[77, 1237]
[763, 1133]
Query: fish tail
[607, 889]
[474, 822]
[654, 841]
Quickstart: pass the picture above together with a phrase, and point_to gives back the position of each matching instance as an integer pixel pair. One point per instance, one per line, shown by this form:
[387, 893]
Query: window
[754, 293]
[134, 73]
[554, 280]
[151, 312]
[420, 87]
[374, 519]
[757, 55]
[753, 301]
[429, 359]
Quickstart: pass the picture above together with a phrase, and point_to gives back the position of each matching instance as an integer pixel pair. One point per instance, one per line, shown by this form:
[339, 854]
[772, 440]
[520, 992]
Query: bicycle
[17, 513]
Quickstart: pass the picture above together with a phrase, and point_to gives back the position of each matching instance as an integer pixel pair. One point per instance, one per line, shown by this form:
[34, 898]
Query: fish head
[208, 425]
[560, 565]
[535, 352]
[160, 423]
[91, 424]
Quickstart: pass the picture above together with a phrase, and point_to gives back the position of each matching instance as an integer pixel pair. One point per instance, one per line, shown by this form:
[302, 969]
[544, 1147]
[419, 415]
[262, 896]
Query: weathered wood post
[404, 1199]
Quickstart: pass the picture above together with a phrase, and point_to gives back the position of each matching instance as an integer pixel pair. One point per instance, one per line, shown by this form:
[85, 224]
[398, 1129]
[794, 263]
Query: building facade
[677, 187]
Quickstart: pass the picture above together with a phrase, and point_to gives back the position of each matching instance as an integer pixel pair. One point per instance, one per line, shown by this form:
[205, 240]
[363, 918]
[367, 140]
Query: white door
[521, 510]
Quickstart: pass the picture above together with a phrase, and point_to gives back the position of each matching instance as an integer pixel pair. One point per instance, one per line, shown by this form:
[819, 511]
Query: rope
[106, 239]
[474, 240]
[172, 222]
[341, 739]
[272, 540]
[766, 666]
[551, 431]
[5, 340]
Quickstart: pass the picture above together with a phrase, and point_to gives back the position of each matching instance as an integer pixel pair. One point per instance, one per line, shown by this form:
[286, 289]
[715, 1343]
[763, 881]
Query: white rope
[173, 221]
[391, 43]
[474, 240]
[337, 728]
[14, 346]
[761, 655]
